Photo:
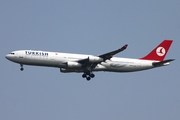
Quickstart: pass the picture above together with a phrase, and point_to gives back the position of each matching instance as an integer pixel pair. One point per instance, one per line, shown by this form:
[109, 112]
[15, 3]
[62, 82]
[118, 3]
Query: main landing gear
[21, 67]
[88, 75]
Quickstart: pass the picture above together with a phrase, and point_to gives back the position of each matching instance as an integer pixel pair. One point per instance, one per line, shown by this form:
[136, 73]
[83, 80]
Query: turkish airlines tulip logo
[160, 51]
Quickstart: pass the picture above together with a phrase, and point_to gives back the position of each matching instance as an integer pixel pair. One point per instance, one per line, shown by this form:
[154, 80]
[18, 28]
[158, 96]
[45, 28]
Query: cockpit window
[12, 53]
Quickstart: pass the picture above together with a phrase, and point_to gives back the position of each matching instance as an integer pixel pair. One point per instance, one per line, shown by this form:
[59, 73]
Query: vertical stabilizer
[159, 52]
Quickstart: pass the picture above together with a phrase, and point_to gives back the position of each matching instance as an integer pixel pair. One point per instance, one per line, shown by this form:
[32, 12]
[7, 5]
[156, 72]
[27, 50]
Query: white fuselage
[56, 59]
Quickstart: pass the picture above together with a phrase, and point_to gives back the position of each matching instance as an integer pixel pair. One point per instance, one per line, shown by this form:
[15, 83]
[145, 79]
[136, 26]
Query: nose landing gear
[21, 67]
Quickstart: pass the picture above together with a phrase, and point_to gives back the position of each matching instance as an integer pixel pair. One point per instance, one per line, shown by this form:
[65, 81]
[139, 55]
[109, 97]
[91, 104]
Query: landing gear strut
[88, 75]
[21, 67]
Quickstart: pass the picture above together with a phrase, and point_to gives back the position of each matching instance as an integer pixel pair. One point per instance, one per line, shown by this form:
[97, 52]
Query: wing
[111, 54]
[103, 57]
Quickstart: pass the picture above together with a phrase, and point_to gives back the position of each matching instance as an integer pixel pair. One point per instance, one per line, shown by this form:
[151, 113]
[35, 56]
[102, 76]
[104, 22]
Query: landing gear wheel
[92, 75]
[84, 75]
[21, 69]
[88, 78]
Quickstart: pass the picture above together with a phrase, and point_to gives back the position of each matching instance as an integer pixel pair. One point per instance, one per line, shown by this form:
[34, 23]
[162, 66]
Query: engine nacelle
[95, 59]
[66, 70]
[73, 65]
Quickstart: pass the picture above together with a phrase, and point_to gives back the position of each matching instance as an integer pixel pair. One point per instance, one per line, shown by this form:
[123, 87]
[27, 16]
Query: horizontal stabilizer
[156, 64]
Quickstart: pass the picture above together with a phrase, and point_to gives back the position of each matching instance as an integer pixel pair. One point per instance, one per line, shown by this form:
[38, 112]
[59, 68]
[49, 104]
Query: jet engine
[73, 65]
[95, 59]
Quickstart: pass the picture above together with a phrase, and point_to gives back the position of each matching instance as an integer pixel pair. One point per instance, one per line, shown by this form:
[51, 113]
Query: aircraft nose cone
[7, 56]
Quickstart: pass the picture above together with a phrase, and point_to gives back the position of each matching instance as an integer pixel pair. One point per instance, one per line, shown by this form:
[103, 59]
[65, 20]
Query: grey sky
[91, 27]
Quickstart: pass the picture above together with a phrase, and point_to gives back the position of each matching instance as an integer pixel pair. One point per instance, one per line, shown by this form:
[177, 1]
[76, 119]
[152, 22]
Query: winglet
[124, 47]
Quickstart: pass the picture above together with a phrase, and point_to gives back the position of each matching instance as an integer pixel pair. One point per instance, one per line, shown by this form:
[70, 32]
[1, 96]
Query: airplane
[87, 64]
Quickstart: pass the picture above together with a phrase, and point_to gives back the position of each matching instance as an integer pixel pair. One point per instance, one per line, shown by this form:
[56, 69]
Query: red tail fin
[159, 52]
